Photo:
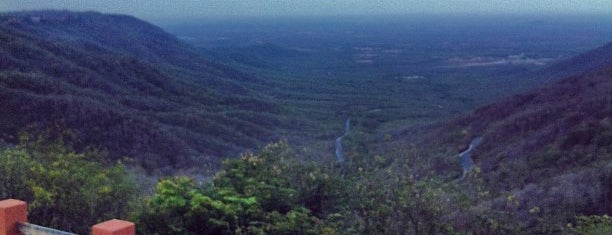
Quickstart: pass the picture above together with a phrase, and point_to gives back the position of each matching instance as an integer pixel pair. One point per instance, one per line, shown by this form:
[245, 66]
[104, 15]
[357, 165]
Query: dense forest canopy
[95, 107]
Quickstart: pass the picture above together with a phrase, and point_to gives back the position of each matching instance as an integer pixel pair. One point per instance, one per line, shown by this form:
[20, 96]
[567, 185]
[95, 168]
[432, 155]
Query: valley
[390, 73]
[412, 124]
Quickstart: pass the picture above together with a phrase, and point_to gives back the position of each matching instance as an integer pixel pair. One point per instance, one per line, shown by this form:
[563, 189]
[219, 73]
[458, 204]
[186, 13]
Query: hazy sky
[166, 9]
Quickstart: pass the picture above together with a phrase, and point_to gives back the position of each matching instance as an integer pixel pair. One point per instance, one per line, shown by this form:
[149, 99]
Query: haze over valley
[439, 121]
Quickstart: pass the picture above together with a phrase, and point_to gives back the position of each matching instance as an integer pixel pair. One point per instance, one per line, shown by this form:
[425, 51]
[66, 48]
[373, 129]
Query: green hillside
[120, 84]
[80, 89]
[548, 149]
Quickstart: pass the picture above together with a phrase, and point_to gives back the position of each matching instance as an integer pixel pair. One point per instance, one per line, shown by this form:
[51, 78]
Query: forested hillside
[80, 89]
[590, 61]
[545, 154]
[123, 85]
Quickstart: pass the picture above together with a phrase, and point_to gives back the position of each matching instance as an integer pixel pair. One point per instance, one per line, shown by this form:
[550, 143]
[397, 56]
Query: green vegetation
[593, 225]
[64, 189]
[545, 157]
[271, 192]
[251, 196]
[90, 73]
[544, 162]
[124, 85]
[274, 192]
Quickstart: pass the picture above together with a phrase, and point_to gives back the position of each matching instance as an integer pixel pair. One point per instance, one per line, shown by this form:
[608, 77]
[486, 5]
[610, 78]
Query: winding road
[466, 158]
[339, 155]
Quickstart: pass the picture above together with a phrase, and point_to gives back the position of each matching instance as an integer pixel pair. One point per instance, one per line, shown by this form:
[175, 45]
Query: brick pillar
[113, 227]
[11, 212]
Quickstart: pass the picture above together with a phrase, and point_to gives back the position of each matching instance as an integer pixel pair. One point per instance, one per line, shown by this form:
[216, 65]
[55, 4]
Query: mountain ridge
[550, 148]
[589, 61]
[109, 80]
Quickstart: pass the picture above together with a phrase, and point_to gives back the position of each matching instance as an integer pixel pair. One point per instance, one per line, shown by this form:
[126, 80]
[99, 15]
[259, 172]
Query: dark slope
[120, 84]
[524, 124]
[99, 32]
[550, 148]
[555, 126]
[559, 127]
[593, 60]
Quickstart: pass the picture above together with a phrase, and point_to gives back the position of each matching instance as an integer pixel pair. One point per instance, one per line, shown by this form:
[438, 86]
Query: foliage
[64, 189]
[180, 207]
[385, 202]
[592, 225]
[272, 193]
[83, 72]
[124, 85]
[169, 107]
[252, 195]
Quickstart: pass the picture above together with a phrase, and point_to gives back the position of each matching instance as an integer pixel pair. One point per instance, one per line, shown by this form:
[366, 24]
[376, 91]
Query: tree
[65, 190]
[252, 195]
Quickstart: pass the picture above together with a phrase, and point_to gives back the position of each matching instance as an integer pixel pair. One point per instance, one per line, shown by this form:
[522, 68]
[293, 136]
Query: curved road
[339, 156]
[466, 157]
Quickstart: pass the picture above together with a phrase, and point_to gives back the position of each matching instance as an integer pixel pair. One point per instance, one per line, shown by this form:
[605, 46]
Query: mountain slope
[120, 84]
[549, 149]
[593, 60]
[565, 125]
[524, 124]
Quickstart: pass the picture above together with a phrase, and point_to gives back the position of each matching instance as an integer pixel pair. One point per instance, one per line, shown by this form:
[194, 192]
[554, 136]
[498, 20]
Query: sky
[172, 9]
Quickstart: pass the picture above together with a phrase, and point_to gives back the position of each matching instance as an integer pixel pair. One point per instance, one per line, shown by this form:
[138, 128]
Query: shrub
[252, 195]
[65, 190]
[592, 225]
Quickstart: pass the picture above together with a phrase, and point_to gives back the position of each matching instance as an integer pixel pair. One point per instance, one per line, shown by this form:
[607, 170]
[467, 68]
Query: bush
[592, 225]
[252, 195]
[65, 190]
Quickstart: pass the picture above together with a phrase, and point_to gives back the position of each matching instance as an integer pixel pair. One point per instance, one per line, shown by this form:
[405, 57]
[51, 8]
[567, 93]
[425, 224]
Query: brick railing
[14, 221]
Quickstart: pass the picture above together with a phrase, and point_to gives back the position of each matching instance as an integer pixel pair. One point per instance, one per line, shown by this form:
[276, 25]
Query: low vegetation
[66, 190]
[271, 192]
